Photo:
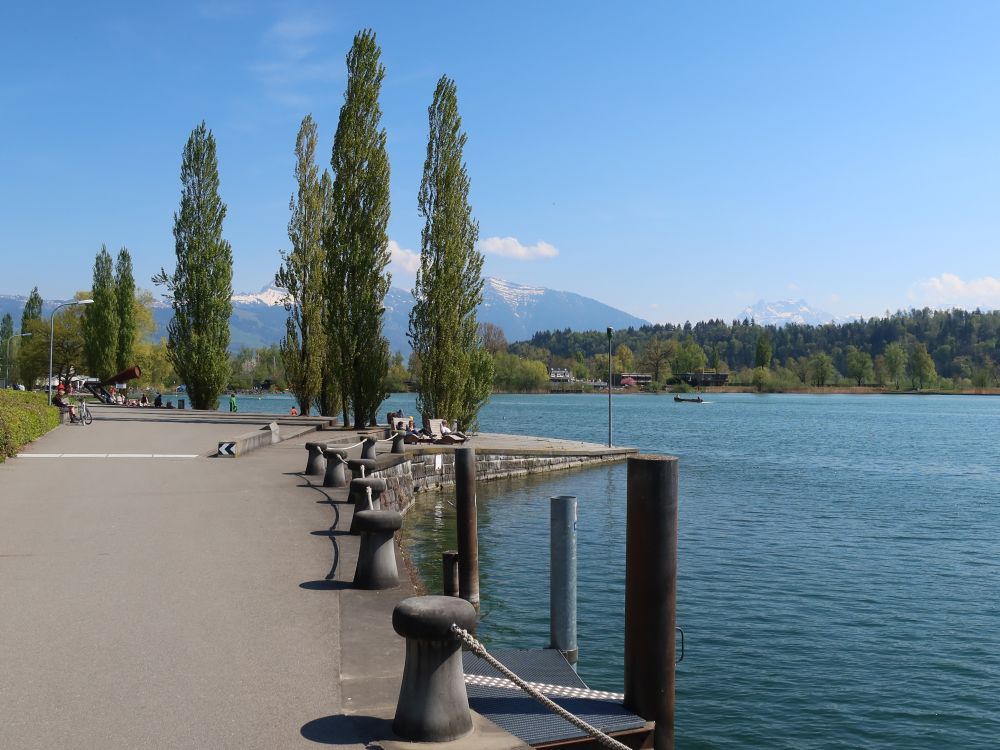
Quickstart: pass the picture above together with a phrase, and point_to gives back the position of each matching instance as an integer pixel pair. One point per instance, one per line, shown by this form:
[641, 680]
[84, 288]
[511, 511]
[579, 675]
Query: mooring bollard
[466, 522]
[433, 705]
[449, 577]
[359, 493]
[315, 464]
[651, 592]
[562, 576]
[368, 449]
[361, 467]
[397, 443]
[336, 462]
[377, 556]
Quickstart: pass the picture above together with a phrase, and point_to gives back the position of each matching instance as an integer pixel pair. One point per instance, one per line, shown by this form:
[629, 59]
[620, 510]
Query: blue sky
[676, 160]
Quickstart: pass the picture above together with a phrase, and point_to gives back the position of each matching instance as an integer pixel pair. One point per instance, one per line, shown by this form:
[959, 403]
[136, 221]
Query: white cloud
[403, 261]
[949, 290]
[793, 286]
[293, 49]
[511, 247]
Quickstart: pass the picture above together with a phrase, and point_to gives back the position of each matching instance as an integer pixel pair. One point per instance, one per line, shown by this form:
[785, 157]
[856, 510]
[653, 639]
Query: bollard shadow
[330, 532]
[326, 585]
[348, 730]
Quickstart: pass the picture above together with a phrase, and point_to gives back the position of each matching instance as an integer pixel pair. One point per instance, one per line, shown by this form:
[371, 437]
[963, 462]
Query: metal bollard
[336, 462]
[361, 490]
[433, 705]
[562, 576]
[368, 449]
[397, 443]
[361, 467]
[315, 464]
[468, 533]
[449, 578]
[376, 567]
[651, 592]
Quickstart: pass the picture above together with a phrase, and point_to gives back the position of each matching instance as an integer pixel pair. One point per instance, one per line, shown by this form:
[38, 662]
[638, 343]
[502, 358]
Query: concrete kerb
[269, 434]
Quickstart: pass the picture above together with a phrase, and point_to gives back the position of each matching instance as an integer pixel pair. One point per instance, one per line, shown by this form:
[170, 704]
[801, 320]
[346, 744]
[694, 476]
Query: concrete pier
[155, 595]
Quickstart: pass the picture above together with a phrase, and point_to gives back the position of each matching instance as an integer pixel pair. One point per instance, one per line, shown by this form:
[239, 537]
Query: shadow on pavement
[326, 585]
[348, 730]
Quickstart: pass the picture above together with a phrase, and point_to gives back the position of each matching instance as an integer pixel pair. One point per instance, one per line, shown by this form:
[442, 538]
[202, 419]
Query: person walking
[233, 406]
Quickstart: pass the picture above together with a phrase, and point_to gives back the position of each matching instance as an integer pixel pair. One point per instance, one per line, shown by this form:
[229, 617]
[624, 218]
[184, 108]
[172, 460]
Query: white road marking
[108, 455]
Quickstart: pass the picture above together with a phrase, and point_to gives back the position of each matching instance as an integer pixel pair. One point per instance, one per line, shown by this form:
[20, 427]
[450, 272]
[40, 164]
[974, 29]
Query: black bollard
[359, 492]
[651, 592]
[433, 705]
[361, 467]
[449, 577]
[315, 464]
[397, 443]
[466, 521]
[376, 567]
[368, 449]
[336, 462]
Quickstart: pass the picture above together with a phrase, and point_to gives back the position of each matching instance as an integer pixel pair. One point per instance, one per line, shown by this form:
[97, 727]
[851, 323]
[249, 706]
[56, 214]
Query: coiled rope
[480, 650]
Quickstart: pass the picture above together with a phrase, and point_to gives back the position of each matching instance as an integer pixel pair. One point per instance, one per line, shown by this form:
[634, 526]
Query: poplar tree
[456, 373]
[125, 290]
[357, 244]
[6, 334]
[201, 285]
[32, 309]
[330, 393]
[301, 274]
[100, 320]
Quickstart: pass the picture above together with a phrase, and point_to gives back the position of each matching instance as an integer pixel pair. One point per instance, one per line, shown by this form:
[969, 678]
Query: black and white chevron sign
[227, 449]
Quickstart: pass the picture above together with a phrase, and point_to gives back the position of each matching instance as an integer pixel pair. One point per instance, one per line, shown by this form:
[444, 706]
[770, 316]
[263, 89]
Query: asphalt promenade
[155, 595]
[183, 602]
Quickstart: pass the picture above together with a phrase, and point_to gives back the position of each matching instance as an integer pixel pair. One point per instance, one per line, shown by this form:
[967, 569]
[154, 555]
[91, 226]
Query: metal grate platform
[523, 716]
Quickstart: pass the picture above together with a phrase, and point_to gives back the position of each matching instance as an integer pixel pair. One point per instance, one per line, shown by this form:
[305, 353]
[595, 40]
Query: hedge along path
[24, 416]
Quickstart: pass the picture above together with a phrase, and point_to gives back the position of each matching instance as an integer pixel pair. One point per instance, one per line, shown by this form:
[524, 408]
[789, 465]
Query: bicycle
[83, 415]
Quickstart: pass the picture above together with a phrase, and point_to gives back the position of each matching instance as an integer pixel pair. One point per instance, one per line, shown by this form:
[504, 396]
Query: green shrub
[23, 417]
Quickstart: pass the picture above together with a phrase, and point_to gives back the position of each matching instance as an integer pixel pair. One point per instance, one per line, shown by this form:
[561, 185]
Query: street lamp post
[52, 332]
[610, 332]
[6, 376]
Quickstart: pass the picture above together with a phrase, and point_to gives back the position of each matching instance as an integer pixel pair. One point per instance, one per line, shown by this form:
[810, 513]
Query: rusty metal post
[449, 578]
[467, 523]
[651, 592]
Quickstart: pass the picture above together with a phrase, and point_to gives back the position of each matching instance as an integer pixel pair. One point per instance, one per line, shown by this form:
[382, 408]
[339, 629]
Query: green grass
[23, 417]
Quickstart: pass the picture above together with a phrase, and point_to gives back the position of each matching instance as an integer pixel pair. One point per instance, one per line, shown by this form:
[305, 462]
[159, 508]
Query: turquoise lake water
[839, 560]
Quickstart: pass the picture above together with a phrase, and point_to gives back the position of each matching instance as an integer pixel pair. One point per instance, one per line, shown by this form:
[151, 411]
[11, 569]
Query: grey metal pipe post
[562, 576]
[651, 592]
[449, 577]
[467, 523]
[610, 332]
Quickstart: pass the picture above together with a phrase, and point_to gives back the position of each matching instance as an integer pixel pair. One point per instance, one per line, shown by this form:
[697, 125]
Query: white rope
[559, 691]
[480, 650]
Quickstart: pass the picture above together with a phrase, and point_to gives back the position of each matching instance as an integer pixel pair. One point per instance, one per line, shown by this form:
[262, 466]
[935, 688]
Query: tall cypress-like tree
[32, 309]
[201, 285]
[301, 274]
[357, 244]
[6, 333]
[456, 372]
[125, 289]
[330, 394]
[100, 320]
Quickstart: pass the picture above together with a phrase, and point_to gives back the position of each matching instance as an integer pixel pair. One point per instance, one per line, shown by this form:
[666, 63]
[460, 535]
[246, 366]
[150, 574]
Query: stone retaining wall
[424, 470]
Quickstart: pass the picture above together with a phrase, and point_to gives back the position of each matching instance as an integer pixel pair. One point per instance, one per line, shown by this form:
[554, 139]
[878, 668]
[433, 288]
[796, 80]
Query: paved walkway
[155, 596]
[182, 602]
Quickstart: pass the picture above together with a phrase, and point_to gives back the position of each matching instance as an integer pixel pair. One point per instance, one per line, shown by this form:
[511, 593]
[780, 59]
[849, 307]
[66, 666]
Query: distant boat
[698, 400]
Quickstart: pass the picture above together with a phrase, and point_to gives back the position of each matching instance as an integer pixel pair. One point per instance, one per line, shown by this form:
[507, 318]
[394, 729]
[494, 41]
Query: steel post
[651, 592]
[468, 534]
[449, 573]
[562, 576]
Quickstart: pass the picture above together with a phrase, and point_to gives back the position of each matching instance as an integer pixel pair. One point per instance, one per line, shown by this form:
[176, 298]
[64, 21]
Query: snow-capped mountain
[520, 310]
[789, 311]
